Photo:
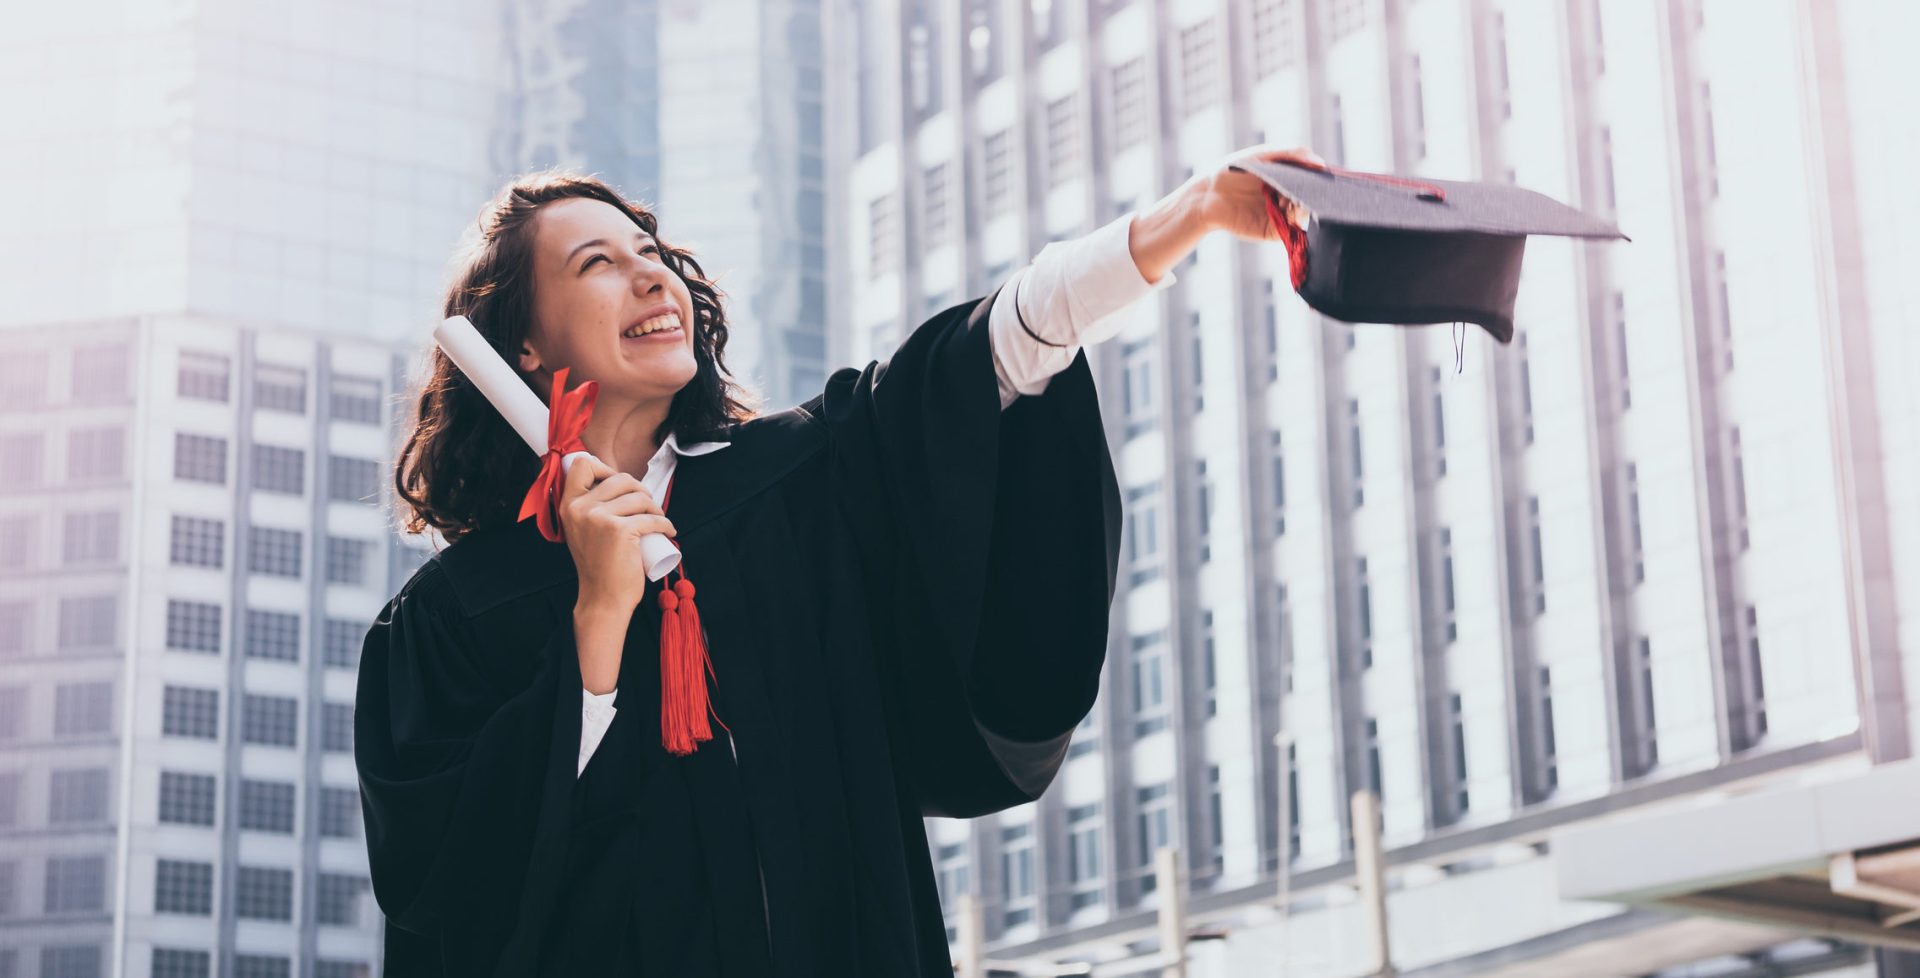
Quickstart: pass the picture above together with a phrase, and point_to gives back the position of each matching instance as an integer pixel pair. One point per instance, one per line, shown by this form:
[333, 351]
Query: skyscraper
[1653, 550]
[226, 257]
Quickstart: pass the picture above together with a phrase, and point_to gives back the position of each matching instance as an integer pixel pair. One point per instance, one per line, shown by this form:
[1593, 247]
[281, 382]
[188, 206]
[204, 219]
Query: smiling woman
[559, 268]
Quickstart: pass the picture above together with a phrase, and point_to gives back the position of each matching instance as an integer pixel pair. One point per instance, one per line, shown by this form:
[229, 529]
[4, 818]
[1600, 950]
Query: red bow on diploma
[567, 414]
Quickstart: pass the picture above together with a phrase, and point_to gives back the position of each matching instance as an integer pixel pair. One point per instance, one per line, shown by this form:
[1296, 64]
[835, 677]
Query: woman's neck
[626, 436]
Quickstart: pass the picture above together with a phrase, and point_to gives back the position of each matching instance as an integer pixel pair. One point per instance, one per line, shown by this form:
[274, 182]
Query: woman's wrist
[1163, 235]
[599, 636]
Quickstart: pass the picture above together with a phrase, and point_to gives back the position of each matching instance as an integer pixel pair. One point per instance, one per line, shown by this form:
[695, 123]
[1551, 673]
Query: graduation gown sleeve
[988, 542]
[465, 746]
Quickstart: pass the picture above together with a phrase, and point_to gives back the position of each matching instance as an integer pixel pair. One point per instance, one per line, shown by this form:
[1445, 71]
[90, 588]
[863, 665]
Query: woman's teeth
[657, 323]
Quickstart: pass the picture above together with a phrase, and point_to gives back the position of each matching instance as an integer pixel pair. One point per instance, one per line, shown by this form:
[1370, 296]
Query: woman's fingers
[633, 504]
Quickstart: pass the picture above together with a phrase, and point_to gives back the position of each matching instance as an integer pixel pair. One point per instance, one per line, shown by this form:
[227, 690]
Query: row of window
[275, 468]
[278, 387]
[195, 626]
[75, 796]
[187, 798]
[169, 962]
[194, 712]
[197, 541]
[260, 893]
[95, 454]
[81, 709]
[99, 375]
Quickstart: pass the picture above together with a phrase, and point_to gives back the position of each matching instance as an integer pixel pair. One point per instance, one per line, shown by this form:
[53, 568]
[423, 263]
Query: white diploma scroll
[524, 411]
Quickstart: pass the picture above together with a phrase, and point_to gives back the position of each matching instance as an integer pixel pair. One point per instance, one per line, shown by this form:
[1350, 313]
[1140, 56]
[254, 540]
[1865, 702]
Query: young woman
[904, 583]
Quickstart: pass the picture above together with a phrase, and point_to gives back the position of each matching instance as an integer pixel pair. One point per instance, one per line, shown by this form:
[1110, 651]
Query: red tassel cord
[1295, 238]
[684, 665]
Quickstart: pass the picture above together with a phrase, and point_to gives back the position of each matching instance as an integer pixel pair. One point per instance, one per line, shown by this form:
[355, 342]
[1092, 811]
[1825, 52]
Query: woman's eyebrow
[638, 236]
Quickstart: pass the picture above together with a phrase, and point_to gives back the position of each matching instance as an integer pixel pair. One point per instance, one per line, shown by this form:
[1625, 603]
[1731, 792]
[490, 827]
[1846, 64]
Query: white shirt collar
[660, 467]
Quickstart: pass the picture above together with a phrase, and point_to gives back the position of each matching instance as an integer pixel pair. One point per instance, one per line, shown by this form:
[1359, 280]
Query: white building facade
[1653, 550]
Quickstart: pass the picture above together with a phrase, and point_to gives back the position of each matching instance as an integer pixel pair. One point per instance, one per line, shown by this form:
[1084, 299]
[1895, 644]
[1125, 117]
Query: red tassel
[684, 666]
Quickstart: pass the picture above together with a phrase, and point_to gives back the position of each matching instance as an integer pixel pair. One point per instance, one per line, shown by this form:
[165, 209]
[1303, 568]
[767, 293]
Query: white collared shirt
[1074, 292]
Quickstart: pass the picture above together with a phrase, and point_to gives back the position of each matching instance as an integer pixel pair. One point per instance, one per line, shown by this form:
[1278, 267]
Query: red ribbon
[567, 414]
[1295, 238]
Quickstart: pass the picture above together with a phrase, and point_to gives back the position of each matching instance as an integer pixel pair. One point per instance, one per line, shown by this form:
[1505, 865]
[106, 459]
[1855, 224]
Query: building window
[199, 458]
[281, 470]
[1418, 96]
[336, 727]
[278, 388]
[70, 961]
[1209, 670]
[1216, 821]
[934, 192]
[347, 560]
[91, 538]
[1144, 559]
[1353, 450]
[261, 966]
[1199, 66]
[339, 899]
[883, 229]
[1633, 523]
[1373, 758]
[100, 374]
[1155, 814]
[196, 542]
[173, 962]
[13, 713]
[187, 711]
[262, 893]
[1203, 509]
[1063, 140]
[1620, 348]
[1016, 874]
[1649, 722]
[1606, 167]
[183, 887]
[1737, 463]
[1084, 871]
[352, 480]
[343, 637]
[1363, 587]
[269, 720]
[273, 552]
[77, 796]
[339, 813]
[1709, 152]
[23, 382]
[1273, 36]
[1457, 712]
[1549, 746]
[1136, 386]
[1151, 710]
[76, 884]
[341, 969]
[273, 635]
[1279, 484]
[17, 542]
[204, 376]
[952, 875]
[82, 709]
[266, 806]
[1344, 17]
[997, 173]
[1293, 802]
[355, 399]
[15, 624]
[1132, 112]
[88, 622]
[187, 799]
[22, 457]
[9, 818]
[1754, 684]
[1725, 309]
[193, 626]
[1539, 556]
[96, 454]
[1505, 79]
[1526, 389]
[1439, 427]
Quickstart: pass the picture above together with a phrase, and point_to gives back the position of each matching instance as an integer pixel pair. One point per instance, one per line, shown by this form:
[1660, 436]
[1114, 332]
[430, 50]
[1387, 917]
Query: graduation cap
[1378, 248]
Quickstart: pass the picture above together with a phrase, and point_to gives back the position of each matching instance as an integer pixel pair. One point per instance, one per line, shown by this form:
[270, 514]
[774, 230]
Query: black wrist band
[1023, 319]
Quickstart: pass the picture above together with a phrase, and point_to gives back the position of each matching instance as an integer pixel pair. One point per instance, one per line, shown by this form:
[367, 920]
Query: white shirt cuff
[1073, 293]
[596, 714]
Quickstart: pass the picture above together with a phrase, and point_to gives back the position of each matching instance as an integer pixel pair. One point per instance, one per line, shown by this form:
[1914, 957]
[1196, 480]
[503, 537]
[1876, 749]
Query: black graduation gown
[905, 592]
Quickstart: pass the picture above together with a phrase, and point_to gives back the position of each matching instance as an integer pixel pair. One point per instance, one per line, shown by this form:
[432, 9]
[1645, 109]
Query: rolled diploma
[522, 408]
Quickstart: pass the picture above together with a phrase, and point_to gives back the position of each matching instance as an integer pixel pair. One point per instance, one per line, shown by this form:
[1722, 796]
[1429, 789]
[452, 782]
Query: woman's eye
[650, 250]
[590, 261]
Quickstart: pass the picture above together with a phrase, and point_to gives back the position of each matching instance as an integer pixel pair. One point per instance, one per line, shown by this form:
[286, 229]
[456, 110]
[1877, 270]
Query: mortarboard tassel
[684, 665]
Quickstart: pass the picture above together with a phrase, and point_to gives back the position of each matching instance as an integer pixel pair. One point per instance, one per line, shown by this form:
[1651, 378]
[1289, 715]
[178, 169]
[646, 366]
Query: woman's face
[606, 306]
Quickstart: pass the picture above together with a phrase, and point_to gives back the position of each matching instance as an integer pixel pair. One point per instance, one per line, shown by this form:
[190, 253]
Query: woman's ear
[530, 361]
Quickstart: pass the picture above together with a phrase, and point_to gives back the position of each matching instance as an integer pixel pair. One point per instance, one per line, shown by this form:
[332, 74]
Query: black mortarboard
[1387, 249]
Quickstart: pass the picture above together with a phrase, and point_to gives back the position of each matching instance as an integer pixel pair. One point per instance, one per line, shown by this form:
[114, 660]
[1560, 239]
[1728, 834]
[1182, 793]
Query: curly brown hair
[462, 467]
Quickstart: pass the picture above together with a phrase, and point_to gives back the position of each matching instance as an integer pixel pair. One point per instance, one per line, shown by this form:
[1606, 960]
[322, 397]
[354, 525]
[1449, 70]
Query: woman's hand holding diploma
[606, 513]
